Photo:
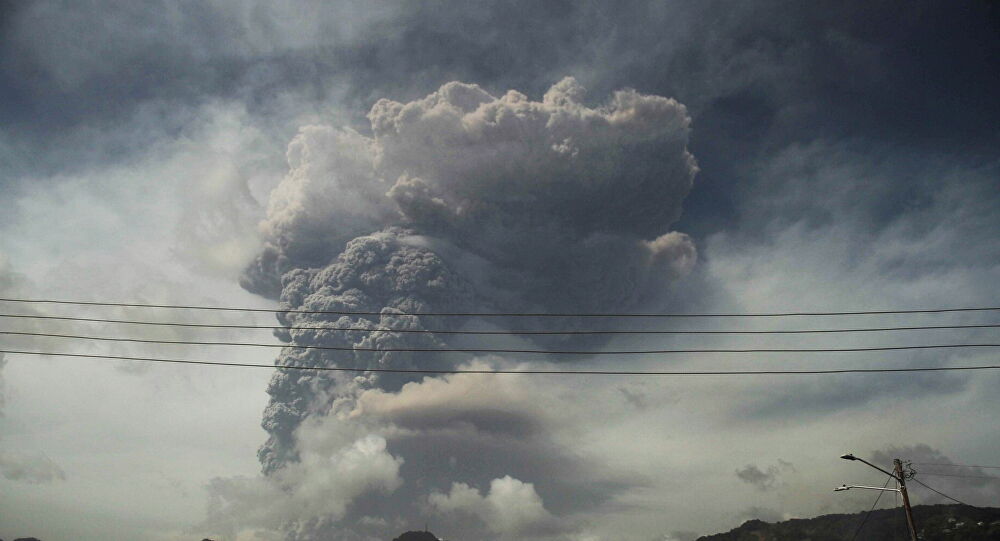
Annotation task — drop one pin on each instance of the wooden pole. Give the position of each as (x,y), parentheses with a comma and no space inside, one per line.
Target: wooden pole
(901,479)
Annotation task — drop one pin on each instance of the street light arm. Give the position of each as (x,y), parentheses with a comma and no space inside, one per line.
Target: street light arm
(848,487)
(852,457)
(890,474)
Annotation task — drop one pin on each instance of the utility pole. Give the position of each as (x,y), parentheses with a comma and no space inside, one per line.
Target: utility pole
(901,479)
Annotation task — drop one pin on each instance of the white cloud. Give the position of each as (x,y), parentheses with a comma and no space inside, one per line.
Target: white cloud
(337,464)
(508,507)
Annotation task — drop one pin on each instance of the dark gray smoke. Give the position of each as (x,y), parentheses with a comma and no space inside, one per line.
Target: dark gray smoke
(461,201)
(381,272)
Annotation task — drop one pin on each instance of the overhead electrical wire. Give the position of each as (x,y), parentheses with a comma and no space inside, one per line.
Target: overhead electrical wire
(511,372)
(961,476)
(954,465)
(511,314)
(498,332)
(504,350)
(941,493)
(868,514)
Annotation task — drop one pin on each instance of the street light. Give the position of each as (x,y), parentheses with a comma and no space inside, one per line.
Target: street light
(849,456)
(900,483)
(849,487)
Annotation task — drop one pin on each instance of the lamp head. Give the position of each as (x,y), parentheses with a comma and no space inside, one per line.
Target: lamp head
(848,456)
(842,487)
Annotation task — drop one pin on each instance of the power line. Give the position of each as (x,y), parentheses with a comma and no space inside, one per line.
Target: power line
(954,465)
(941,493)
(502,350)
(522,372)
(962,476)
(499,332)
(511,314)
(868,514)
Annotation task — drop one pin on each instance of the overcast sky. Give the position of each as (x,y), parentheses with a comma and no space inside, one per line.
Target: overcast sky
(682,156)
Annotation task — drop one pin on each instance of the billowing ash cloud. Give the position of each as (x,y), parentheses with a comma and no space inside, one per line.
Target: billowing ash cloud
(461,201)
(538,189)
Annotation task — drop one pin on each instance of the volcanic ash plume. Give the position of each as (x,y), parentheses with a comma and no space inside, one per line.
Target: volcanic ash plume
(460,202)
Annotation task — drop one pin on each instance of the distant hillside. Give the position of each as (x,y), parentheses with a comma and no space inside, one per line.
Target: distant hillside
(417,536)
(934,523)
